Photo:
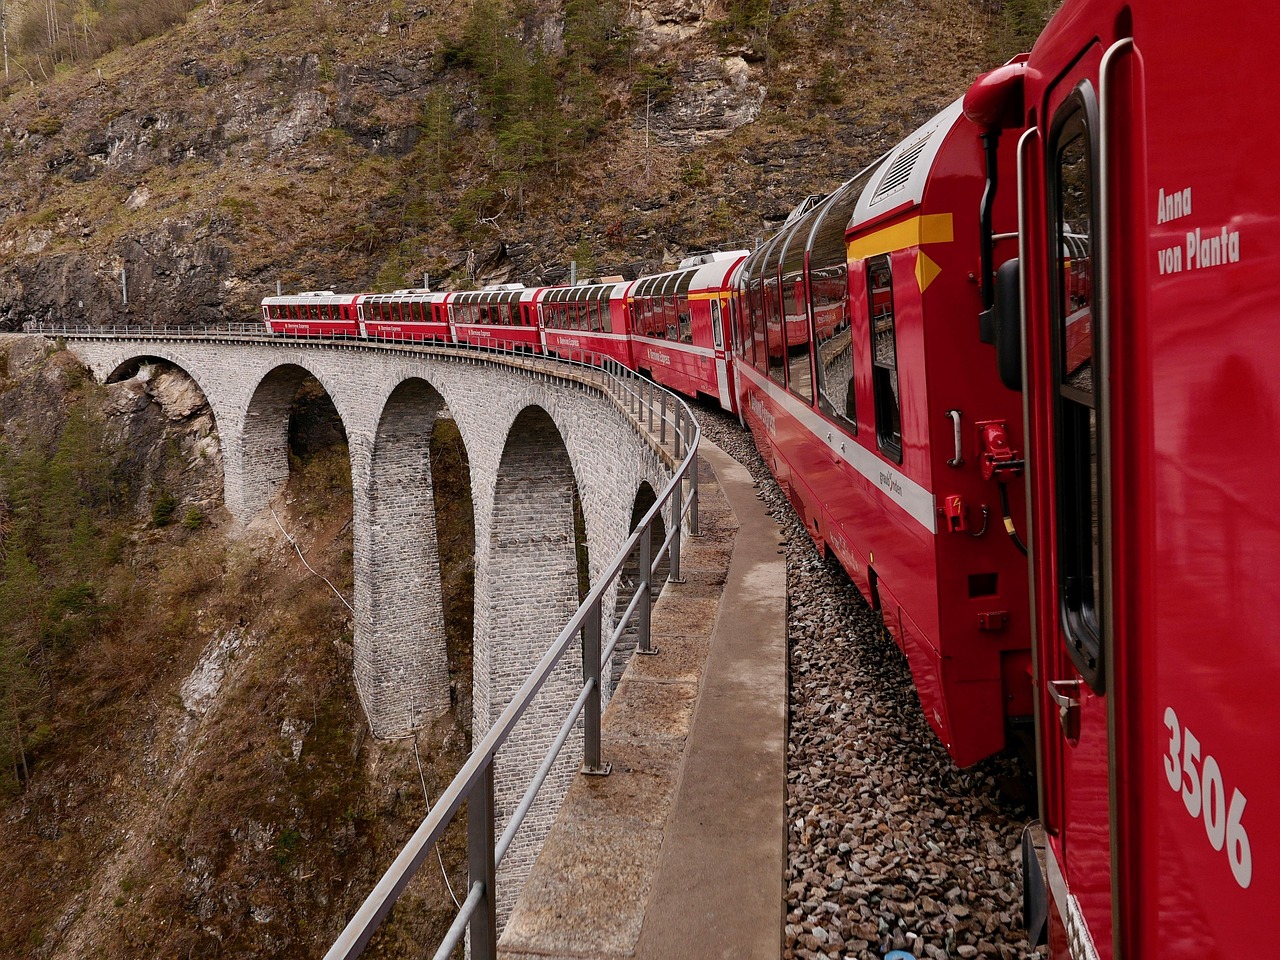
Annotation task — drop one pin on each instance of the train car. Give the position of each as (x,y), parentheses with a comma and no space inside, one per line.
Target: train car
(502,315)
(586,320)
(416,316)
(875,402)
(318,313)
(678,326)
(1150,340)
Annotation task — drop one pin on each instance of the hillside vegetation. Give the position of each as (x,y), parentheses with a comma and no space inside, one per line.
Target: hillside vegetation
(356,144)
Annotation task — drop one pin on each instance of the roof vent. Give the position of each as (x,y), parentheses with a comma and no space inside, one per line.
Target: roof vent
(899,172)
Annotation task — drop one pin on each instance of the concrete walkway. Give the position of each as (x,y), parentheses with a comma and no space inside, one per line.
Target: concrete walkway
(680,851)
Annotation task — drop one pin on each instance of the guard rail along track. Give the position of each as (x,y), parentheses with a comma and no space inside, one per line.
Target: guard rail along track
(654,411)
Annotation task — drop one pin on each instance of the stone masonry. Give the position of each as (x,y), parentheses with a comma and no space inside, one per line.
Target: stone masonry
(533,438)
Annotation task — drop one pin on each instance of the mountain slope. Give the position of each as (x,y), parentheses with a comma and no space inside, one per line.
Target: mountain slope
(355,144)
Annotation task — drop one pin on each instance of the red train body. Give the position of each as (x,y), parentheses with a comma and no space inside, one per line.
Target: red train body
(871,396)
(318,313)
(1150,262)
(678,327)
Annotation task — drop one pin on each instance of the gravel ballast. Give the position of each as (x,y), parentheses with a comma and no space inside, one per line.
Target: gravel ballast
(890,845)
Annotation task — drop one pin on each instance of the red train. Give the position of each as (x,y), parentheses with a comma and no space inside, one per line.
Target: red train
(1141,316)
(879,409)
(857,363)
(670,326)
(1106,394)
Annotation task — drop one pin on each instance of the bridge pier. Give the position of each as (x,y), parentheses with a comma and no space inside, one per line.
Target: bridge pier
(401,659)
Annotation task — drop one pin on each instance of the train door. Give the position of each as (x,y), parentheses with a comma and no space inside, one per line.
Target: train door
(1077,605)
(722,368)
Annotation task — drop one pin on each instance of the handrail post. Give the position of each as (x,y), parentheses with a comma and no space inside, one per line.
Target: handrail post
(693,496)
(677,511)
(644,641)
(591,710)
(652,389)
(662,430)
(480,866)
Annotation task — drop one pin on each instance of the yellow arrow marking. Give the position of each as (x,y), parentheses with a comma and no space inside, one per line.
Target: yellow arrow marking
(926,271)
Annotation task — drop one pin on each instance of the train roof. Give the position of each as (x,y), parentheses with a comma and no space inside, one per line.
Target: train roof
(310,296)
(711,272)
(898,178)
(430,296)
(584,291)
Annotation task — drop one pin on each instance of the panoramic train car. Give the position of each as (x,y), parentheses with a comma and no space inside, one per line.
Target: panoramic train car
(678,326)
(1149,281)
(318,313)
(586,318)
(418,316)
(502,315)
(874,400)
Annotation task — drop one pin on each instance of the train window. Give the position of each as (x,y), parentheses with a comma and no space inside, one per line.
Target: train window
(1078,454)
(884,358)
(795,315)
(774,331)
(830,286)
(759,325)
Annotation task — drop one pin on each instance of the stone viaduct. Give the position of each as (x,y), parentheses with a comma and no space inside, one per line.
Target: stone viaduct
(535,432)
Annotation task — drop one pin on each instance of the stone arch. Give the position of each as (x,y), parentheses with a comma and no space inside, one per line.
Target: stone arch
(401,658)
(263,444)
(530,591)
(130,367)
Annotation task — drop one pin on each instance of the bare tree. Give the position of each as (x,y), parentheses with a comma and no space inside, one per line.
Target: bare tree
(4,35)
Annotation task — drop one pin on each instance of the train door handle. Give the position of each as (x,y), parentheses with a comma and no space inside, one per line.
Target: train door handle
(1066,694)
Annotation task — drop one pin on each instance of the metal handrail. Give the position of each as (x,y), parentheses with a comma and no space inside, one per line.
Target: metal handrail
(473,783)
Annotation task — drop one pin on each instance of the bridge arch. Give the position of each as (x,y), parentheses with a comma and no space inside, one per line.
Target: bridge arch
(262,444)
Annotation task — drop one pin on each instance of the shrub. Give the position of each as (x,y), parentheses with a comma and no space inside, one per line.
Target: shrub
(45,126)
(163,509)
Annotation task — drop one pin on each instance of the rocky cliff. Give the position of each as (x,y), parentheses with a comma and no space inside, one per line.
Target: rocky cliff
(352,144)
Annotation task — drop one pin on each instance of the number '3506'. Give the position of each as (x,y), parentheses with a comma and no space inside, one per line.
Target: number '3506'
(1200,783)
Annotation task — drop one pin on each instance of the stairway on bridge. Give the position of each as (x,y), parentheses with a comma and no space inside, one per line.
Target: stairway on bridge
(680,852)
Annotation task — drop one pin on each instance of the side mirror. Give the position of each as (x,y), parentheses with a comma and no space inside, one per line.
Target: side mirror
(1008,324)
